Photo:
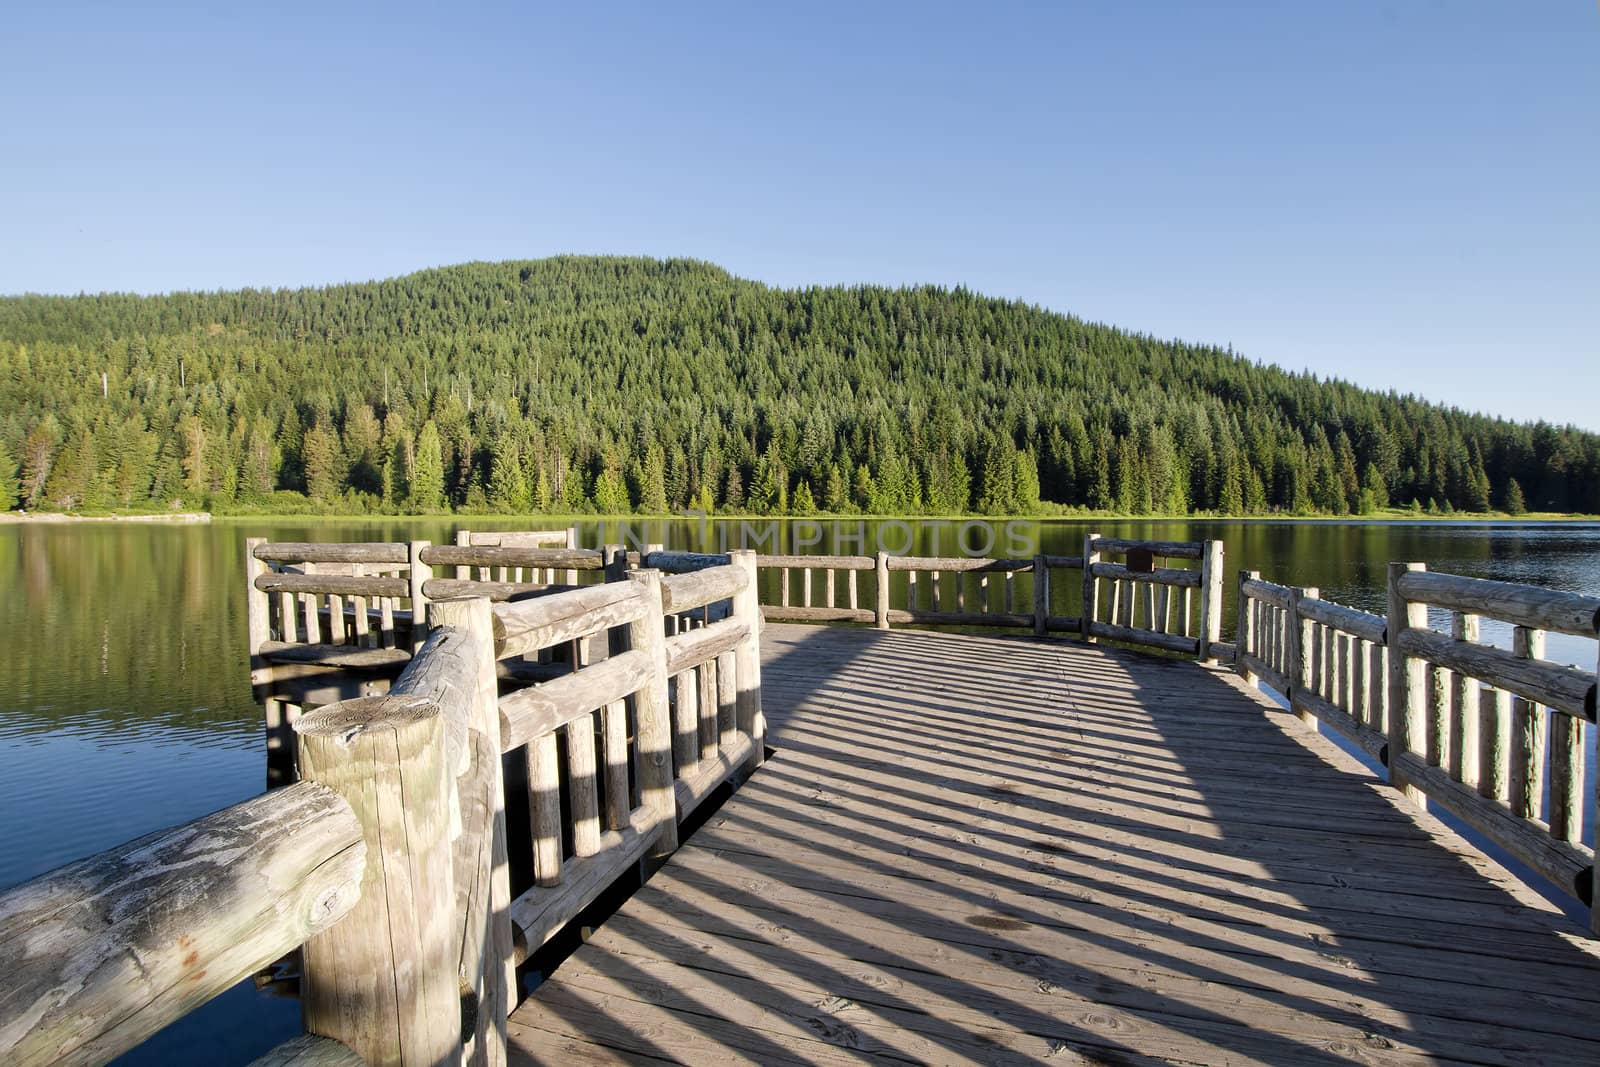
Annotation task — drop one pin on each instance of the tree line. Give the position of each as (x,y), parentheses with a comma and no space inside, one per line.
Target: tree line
(606,384)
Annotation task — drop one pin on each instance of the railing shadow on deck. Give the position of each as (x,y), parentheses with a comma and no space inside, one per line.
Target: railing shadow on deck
(1044,860)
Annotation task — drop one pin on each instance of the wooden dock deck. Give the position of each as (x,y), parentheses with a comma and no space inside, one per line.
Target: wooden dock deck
(991,850)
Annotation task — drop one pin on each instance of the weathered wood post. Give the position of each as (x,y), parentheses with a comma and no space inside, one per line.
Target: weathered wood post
(616,570)
(1464,702)
(481,869)
(1245,635)
(418,572)
(880,610)
(1406,681)
(280,735)
(1091,587)
(1527,733)
(1210,599)
(653,717)
(747,660)
(1302,635)
(1041,596)
(384,980)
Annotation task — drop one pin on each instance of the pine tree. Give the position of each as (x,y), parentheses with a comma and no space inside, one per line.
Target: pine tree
(38,453)
(196,468)
(769,491)
(803,504)
(863,489)
(1026,483)
(835,496)
(73,473)
(1514,503)
(508,482)
(611,492)
(320,453)
(427,476)
(10,486)
(997,489)
(1374,495)
(733,489)
(653,491)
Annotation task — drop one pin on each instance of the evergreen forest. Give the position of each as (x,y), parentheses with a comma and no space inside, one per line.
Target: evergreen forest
(600,384)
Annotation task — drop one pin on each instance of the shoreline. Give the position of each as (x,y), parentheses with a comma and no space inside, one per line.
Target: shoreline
(181,518)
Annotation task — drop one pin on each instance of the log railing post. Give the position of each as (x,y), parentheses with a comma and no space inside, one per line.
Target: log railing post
(1407,697)
(1041,596)
(1464,702)
(1527,733)
(1091,587)
(653,716)
(386,757)
(880,610)
(418,572)
(1210,599)
(752,721)
(480,858)
(1245,632)
(616,570)
(1302,636)
(275,718)
(572,542)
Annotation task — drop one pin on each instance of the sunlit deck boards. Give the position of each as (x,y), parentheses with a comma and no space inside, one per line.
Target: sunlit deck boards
(974,849)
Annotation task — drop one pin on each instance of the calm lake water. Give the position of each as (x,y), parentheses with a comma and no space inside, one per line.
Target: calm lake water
(125,705)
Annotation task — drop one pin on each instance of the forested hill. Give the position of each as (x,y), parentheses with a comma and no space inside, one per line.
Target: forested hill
(576,383)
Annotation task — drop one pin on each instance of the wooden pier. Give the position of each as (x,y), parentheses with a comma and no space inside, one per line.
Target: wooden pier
(991,839)
(976,849)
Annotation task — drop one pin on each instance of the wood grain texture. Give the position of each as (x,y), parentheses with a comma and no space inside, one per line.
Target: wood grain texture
(100,954)
(385,979)
(308,1050)
(1048,853)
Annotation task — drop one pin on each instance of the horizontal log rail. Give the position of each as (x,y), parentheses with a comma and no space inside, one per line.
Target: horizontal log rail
(497,591)
(1117,546)
(331,552)
(542,709)
(680,562)
(957,564)
(693,648)
(528,626)
(688,590)
(1559,688)
(1520,605)
(100,954)
(512,556)
(336,584)
(1183,579)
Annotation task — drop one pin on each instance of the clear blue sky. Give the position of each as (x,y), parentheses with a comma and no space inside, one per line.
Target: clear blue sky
(1403,194)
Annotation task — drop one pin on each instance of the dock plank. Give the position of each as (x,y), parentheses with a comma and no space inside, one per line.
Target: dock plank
(975,849)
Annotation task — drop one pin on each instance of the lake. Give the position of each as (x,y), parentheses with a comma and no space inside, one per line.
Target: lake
(125,701)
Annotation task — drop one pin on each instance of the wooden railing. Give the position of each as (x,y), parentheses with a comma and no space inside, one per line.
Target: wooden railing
(1468,722)
(1175,608)
(1495,737)
(1328,660)
(973,592)
(366,864)
(390,855)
